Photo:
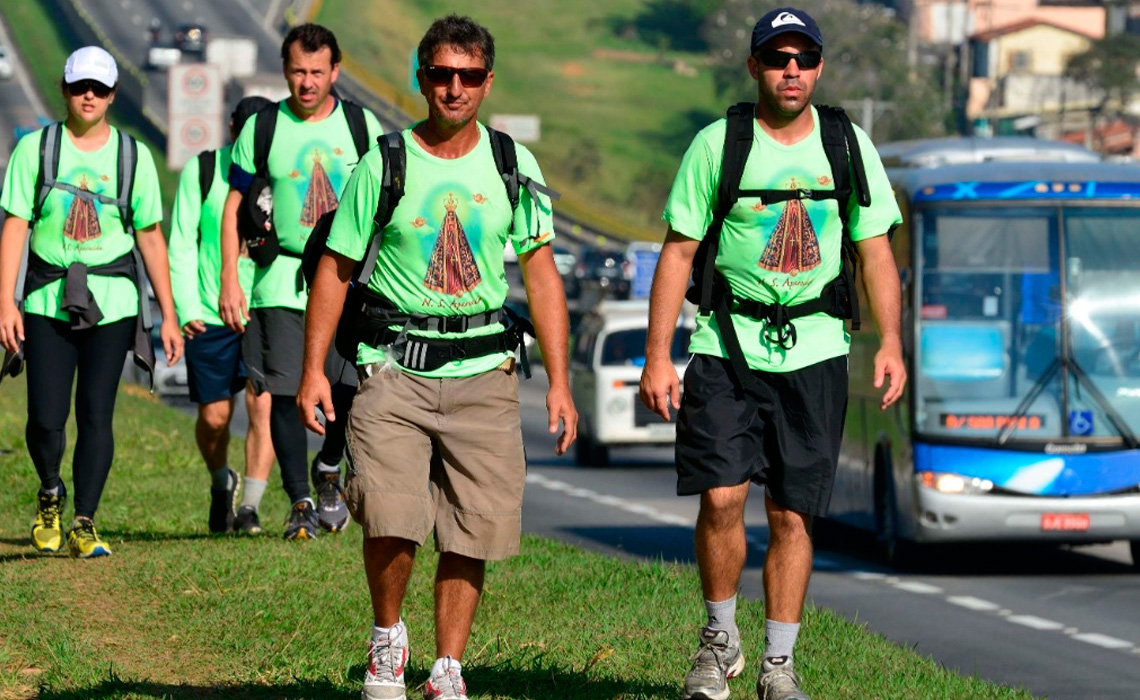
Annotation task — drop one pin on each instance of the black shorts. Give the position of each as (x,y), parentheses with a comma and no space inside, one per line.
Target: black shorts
(273,348)
(214,368)
(783,433)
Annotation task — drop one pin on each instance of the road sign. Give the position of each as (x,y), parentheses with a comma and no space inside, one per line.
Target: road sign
(196,106)
(525,128)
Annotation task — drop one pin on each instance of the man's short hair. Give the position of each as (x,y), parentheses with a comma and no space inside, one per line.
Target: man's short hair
(463,33)
(313,38)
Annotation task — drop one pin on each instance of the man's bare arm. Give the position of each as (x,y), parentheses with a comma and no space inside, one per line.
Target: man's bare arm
(660,385)
(322,314)
(884,295)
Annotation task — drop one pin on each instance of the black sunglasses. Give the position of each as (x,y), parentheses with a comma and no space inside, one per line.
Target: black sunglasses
(779,59)
(80,88)
(443,75)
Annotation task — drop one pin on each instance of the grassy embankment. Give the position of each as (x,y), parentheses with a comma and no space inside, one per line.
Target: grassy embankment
(617,113)
(179,614)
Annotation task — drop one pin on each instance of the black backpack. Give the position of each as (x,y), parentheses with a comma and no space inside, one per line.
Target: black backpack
(392,190)
(711,291)
(255,214)
(207,163)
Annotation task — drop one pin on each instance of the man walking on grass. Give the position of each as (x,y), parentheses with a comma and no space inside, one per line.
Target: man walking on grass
(434,437)
(776,188)
(311,153)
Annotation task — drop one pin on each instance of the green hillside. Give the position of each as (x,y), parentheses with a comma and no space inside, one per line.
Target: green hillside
(618,104)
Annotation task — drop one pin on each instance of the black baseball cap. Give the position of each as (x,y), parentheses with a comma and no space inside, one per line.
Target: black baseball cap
(784,20)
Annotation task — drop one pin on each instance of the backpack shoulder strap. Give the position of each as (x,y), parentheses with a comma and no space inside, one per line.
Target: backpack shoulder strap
(843,155)
(128,158)
(207,162)
(264,126)
(506,162)
(395,167)
(51,141)
(357,126)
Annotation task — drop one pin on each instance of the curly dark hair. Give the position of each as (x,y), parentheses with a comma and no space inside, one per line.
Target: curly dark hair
(313,38)
(463,33)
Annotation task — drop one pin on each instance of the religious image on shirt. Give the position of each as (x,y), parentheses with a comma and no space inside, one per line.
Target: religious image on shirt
(452,269)
(794,246)
(82,222)
(320,198)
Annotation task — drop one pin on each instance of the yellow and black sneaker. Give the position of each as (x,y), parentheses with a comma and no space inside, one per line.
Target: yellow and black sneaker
(302,522)
(47,532)
(84,542)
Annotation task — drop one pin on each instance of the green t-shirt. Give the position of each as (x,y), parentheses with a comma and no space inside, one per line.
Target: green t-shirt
(784,252)
(72,229)
(309,163)
(196,244)
(442,252)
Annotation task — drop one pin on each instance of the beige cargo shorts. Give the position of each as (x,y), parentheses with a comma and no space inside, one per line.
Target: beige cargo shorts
(438,454)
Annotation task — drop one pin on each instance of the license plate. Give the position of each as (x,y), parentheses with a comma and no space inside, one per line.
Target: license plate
(1065,522)
(662,429)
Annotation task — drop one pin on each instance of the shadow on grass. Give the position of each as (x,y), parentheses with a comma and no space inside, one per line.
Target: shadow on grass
(497,680)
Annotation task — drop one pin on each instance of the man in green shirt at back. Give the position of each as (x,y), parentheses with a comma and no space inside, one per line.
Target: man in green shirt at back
(213,352)
(775,415)
(310,158)
(434,437)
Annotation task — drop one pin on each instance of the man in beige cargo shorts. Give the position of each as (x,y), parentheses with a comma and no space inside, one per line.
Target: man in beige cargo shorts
(434,437)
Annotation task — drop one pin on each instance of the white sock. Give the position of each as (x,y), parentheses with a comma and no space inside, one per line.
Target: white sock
(323,466)
(252,491)
(441,666)
(392,632)
(780,638)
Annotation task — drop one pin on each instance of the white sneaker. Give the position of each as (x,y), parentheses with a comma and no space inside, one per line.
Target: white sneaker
(447,684)
(384,678)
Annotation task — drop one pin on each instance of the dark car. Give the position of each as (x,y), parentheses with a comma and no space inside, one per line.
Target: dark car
(190,38)
(609,269)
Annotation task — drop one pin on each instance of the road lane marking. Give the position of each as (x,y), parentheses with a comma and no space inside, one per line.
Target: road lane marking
(1103,640)
(917,587)
(1037,623)
(972,603)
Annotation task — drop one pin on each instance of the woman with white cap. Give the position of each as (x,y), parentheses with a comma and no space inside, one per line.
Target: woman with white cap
(90,196)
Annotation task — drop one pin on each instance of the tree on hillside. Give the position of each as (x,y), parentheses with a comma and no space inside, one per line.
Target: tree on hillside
(864,56)
(1109,66)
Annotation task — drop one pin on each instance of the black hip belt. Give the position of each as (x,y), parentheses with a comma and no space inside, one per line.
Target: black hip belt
(777,317)
(374,316)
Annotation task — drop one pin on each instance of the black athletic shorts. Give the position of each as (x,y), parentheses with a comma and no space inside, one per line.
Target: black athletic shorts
(272,349)
(783,433)
(213,365)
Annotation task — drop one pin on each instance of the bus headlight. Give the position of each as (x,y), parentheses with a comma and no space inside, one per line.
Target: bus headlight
(945,482)
(617,405)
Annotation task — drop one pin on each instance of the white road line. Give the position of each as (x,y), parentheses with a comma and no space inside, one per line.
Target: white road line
(868,576)
(1033,622)
(973,603)
(1103,640)
(22,76)
(918,587)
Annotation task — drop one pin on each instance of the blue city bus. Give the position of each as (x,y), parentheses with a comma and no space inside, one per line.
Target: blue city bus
(1021,325)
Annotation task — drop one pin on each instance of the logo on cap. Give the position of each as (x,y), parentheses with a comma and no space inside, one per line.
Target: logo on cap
(787,18)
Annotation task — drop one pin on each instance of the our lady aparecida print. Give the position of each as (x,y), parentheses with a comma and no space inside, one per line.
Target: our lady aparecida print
(82,223)
(452,269)
(320,198)
(794,246)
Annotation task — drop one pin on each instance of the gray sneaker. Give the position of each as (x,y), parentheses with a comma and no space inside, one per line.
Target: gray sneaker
(717,659)
(384,678)
(332,512)
(778,681)
(447,684)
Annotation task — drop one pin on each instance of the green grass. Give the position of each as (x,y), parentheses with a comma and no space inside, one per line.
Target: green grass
(44,46)
(179,614)
(616,114)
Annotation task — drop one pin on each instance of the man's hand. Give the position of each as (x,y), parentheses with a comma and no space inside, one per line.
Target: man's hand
(11,327)
(889,363)
(660,387)
(315,391)
(172,341)
(560,405)
(193,329)
(232,306)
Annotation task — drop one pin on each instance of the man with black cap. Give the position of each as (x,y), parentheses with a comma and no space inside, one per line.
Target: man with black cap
(215,371)
(762,212)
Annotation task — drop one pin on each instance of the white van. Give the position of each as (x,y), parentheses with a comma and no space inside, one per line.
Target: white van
(605,371)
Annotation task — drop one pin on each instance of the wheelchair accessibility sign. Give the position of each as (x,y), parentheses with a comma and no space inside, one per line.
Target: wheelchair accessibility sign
(1080,423)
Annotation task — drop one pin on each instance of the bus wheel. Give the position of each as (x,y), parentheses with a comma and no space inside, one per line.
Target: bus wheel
(587,452)
(1136,554)
(893,550)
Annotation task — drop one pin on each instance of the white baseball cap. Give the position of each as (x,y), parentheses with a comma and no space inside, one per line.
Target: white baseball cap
(91,63)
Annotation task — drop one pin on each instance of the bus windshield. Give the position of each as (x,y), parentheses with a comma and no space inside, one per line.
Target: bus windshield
(1029,322)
